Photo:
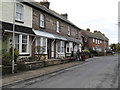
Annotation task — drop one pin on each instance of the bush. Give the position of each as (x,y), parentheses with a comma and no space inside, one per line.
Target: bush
(93,52)
(16,53)
(6,58)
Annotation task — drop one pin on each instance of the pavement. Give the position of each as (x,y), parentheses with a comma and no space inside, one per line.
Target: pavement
(28,75)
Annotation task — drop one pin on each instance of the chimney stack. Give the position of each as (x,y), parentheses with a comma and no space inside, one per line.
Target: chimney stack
(65,15)
(45,3)
(95,31)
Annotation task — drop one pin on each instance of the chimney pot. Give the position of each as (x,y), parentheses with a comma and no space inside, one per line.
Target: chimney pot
(65,15)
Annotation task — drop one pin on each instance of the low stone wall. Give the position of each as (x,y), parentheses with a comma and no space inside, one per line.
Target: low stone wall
(30,65)
(24,66)
(8,69)
(52,62)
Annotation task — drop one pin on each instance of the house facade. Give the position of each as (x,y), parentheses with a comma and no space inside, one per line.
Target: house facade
(95,40)
(38,26)
(55,32)
(18,17)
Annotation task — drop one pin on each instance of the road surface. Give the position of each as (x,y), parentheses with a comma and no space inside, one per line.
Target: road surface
(99,73)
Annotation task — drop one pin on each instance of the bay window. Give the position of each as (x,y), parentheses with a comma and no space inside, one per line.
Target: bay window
(22,43)
(69,47)
(60,46)
(41,43)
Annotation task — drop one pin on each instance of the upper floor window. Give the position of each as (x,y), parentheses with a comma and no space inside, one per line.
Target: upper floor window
(42,20)
(68,30)
(19,12)
(58,26)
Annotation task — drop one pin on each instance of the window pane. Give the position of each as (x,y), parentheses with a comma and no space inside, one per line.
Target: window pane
(44,44)
(17,41)
(24,43)
(17,46)
(24,48)
(41,20)
(19,11)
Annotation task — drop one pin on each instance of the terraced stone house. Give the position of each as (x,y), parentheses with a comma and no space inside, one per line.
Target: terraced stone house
(37,25)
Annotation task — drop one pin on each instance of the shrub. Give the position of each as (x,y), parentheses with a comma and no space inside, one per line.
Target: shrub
(6,58)
(93,52)
(16,53)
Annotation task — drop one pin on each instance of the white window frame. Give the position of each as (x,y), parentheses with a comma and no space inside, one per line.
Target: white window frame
(69,30)
(96,41)
(20,44)
(18,12)
(42,20)
(41,44)
(61,46)
(58,26)
(70,46)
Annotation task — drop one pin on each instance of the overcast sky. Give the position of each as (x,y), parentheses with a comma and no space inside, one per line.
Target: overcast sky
(101,15)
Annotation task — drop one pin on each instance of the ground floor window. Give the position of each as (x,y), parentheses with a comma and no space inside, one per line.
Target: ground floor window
(41,45)
(60,46)
(69,47)
(22,43)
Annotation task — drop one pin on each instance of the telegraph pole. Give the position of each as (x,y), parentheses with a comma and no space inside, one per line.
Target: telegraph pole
(13,61)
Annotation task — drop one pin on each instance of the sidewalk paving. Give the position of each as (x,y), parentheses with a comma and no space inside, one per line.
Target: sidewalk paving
(27,75)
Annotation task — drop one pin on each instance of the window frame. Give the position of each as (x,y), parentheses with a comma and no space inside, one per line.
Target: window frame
(61,47)
(42,21)
(69,46)
(20,13)
(41,44)
(69,31)
(58,26)
(20,43)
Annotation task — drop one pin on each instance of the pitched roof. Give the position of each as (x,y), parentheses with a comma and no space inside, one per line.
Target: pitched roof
(48,11)
(97,35)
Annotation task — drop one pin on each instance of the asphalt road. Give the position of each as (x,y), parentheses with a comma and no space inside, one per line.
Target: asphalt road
(99,73)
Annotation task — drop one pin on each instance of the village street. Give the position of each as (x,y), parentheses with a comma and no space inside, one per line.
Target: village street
(99,73)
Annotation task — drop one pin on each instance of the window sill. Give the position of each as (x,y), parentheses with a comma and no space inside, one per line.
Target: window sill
(60,53)
(24,54)
(40,54)
(43,27)
(20,21)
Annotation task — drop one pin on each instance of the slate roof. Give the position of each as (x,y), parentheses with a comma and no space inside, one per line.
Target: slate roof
(48,11)
(97,35)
